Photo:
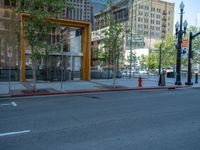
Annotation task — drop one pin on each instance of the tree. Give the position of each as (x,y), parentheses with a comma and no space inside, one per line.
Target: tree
(112,37)
(152,60)
(132,59)
(37,28)
(168,52)
(142,61)
(112,42)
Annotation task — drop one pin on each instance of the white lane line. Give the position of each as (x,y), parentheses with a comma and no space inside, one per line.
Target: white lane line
(13,133)
(7,104)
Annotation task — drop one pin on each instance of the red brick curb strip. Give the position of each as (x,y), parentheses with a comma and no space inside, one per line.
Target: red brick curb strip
(97,91)
(126,89)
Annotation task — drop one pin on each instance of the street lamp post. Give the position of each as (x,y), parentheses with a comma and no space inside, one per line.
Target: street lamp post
(179,34)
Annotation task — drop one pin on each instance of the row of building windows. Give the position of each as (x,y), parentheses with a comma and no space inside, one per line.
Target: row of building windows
(153,9)
(147,27)
(153,21)
(146,14)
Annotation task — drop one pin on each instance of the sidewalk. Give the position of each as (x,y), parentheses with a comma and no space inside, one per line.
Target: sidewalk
(74,87)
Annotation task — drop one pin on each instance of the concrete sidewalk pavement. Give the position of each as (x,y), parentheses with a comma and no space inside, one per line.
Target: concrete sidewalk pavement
(72,87)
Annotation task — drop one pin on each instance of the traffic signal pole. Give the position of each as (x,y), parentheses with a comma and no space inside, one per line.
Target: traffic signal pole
(191,37)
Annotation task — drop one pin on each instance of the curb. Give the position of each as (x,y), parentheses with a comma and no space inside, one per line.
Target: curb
(95,91)
(4,95)
(36,94)
(127,89)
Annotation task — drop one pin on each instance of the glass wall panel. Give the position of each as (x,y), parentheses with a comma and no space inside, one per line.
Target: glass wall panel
(64,58)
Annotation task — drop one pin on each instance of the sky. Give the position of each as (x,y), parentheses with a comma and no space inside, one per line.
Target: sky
(191,11)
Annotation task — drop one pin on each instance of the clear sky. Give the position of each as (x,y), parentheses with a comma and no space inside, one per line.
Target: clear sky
(191,9)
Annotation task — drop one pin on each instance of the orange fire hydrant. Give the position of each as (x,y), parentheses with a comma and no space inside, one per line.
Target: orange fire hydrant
(140,82)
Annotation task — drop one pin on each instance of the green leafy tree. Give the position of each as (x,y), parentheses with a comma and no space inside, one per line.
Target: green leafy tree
(132,59)
(168,54)
(152,60)
(142,61)
(101,56)
(113,44)
(37,28)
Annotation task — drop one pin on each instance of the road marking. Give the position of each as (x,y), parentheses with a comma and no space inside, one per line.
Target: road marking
(13,104)
(13,133)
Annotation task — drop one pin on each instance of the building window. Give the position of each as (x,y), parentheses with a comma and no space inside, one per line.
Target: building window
(146,14)
(157,28)
(146,20)
(157,22)
(152,15)
(145,26)
(158,10)
(158,16)
(152,27)
(140,19)
(140,13)
(141,6)
(152,9)
(145,32)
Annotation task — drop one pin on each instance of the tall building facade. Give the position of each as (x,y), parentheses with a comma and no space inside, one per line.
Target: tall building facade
(78,10)
(119,11)
(151,18)
(8,36)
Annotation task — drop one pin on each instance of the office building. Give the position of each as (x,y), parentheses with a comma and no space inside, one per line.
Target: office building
(151,18)
(78,10)
(119,11)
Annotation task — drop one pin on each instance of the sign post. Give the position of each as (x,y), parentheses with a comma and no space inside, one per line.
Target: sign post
(9,54)
(61,76)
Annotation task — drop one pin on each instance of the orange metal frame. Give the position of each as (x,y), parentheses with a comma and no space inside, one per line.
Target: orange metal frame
(86,44)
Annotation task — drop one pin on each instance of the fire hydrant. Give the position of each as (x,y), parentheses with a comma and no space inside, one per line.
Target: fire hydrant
(140,82)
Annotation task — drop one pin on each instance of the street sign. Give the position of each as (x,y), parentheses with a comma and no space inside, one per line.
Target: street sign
(184,53)
(9,52)
(184,43)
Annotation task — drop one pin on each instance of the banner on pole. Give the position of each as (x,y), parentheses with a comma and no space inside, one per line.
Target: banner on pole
(184,43)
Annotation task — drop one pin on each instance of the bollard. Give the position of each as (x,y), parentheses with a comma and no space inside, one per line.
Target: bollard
(196,78)
(140,82)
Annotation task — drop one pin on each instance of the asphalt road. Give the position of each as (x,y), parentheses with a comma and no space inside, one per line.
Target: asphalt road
(140,120)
